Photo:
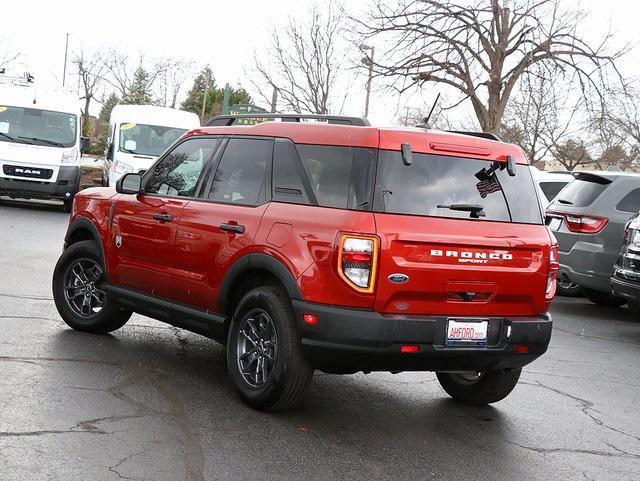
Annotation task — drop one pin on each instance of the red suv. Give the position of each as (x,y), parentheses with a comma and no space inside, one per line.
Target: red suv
(328,245)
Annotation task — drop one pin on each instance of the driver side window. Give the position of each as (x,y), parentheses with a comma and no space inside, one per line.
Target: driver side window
(178,172)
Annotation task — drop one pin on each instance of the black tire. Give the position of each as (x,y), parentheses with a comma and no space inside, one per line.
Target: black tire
(110,316)
(603,299)
(568,289)
(634,307)
(290,373)
(489,387)
(67,205)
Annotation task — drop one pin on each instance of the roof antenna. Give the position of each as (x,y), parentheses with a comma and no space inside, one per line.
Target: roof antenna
(425,121)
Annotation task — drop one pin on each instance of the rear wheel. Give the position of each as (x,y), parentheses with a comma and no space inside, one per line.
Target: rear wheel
(264,355)
(481,388)
(79,294)
(603,299)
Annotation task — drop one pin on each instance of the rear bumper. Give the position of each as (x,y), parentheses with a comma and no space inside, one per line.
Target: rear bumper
(349,340)
(597,282)
(65,186)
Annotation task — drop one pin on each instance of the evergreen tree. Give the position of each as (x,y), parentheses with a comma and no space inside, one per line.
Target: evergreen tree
(103,123)
(139,92)
(215,95)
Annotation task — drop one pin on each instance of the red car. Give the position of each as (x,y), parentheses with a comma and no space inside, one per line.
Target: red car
(328,245)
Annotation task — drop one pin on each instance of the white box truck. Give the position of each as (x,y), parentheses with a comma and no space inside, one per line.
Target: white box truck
(139,134)
(40,141)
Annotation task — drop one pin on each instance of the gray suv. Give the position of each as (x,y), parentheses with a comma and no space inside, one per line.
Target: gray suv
(588,218)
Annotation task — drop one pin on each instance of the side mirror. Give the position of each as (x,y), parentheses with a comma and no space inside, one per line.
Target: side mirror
(85,144)
(108,153)
(130,145)
(129,184)
(511,166)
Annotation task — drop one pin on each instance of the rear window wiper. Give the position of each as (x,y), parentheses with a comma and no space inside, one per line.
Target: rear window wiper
(566,202)
(46,141)
(475,210)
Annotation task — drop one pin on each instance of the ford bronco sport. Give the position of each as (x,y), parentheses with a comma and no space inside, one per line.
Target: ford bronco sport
(329,245)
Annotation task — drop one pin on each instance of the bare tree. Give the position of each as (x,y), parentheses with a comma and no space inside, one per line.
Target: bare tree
(170,80)
(91,70)
(571,153)
(7,54)
(121,71)
(482,50)
(304,63)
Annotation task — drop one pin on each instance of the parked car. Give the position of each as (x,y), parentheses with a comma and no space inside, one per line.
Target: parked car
(588,219)
(549,184)
(328,245)
(138,134)
(40,142)
(625,281)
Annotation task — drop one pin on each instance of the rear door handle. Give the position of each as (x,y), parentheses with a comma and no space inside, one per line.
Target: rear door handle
(232,228)
(163,217)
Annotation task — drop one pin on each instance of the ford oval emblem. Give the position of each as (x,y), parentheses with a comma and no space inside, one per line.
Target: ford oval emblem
(398,278)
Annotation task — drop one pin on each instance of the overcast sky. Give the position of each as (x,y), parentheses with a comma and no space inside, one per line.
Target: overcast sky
(221,33)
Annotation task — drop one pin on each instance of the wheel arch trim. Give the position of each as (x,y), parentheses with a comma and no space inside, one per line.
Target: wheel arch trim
(257,261)
(85,223)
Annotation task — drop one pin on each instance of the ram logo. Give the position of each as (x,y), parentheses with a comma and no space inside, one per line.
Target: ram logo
(472,257)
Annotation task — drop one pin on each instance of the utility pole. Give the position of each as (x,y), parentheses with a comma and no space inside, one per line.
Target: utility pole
(274,100)
(66,50)
(368,61)
(226,96)
(204,97)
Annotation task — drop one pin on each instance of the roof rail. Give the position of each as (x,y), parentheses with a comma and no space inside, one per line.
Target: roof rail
(227,120)
(482,135)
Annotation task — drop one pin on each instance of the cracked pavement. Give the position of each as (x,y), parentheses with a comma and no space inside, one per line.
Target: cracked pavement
(151,402)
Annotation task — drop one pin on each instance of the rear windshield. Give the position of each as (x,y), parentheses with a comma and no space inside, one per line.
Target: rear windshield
(582,191)
(551,189)
(435,185)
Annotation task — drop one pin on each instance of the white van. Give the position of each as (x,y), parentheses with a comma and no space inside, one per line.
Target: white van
(40,143)
(139,134)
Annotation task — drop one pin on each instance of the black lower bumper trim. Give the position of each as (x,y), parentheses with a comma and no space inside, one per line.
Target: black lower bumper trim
(67,182)
(627,289)
(349,340)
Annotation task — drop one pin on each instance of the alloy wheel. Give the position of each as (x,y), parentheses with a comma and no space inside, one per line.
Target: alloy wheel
(83,288)
(257,348)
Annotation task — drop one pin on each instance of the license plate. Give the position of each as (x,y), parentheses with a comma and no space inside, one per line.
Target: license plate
(555,223)
(467,332)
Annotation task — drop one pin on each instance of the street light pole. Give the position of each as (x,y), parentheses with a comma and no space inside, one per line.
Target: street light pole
(368,60)
(64,70)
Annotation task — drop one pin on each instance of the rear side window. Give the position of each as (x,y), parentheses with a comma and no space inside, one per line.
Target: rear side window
(630,202)
(288,184)
(551,189)
(339,176)
(436,185)
(582,191)
(240,177)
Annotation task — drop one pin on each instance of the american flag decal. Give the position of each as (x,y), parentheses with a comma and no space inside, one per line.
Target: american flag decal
(488,186)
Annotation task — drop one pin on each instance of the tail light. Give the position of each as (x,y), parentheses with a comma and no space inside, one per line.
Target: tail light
(554,265)
(358,261)
(585,224)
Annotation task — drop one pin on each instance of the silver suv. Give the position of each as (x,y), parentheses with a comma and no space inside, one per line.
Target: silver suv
(588,218)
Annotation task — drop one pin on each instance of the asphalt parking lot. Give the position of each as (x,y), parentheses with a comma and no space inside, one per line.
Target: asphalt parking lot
(152,402)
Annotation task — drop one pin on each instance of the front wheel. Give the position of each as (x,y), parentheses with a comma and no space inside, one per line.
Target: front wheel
(602,299)
(79,291)
(480,388)
(264,355)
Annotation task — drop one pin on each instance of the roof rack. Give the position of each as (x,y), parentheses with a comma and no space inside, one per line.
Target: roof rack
(227,120)
(482,135)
